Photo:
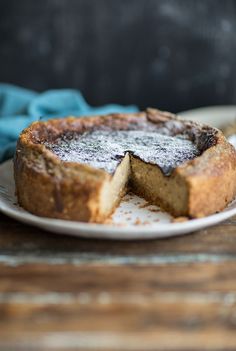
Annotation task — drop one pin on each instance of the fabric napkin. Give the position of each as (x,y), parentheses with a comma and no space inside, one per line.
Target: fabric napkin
(20,107)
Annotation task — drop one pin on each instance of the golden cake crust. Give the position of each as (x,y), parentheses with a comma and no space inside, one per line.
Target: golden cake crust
(48,187)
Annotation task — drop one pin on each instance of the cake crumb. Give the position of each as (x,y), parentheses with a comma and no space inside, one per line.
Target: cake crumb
(126,199)
(154,210)
(108,221)
(145,204)
(120,224)
(180,219)
(137,222)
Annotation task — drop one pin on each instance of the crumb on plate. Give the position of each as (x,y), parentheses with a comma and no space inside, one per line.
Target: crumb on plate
(180,219)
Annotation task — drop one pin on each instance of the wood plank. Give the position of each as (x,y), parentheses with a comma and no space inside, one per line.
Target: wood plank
(94,278)
(18,238)
(159,340)
(66,293)
(154,324)
(120,313)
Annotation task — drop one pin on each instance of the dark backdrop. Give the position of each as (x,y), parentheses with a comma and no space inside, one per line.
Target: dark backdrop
(172,54)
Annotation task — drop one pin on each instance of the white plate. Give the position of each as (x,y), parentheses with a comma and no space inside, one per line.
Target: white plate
(216,116)
(152,222)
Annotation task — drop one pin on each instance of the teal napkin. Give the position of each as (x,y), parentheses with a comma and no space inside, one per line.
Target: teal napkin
(20,107)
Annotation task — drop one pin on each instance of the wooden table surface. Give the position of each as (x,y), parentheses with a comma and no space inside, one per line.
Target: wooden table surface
(65,293)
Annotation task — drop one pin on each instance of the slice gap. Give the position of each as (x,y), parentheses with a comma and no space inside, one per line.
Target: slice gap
(138,215)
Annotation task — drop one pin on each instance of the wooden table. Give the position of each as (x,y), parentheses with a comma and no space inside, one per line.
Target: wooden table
(65,293)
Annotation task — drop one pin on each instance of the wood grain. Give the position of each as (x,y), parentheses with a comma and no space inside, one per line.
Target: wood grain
(95,278)
(66,293)
(16,237)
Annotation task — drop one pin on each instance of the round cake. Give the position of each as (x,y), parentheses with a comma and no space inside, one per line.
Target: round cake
(79,168)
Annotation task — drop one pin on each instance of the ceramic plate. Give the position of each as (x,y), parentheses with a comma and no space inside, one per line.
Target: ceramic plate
(216,116)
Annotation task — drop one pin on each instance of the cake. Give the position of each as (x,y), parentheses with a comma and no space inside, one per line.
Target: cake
(79,168)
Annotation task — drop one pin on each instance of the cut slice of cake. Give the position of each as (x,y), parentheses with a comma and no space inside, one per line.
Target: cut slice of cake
(79,168)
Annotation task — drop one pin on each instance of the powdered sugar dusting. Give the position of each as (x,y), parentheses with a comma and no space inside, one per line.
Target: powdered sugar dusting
(104,149)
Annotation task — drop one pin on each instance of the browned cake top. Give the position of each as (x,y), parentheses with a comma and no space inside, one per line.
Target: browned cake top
(154,137)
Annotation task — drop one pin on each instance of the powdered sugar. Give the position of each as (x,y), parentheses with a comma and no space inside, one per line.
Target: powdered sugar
(104,149)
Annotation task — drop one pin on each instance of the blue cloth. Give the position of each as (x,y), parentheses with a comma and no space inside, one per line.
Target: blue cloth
(20,107)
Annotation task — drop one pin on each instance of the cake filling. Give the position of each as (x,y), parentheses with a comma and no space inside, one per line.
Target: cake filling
(105,149)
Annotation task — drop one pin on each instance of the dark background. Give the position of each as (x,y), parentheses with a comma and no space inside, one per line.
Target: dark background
(173,55)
